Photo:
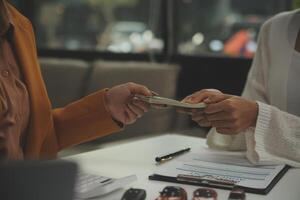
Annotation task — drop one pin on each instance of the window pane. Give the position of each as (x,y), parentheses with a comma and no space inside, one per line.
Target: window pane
(222,27)
(104,25)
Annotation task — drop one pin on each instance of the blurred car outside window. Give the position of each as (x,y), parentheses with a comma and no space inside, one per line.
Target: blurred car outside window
(122,26)
(222,27)
(203,27)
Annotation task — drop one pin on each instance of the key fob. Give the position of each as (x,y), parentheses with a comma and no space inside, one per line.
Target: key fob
(237,194)
(172,192)
(134,194)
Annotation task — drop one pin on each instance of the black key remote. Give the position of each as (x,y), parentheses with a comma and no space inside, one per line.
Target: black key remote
(134,194)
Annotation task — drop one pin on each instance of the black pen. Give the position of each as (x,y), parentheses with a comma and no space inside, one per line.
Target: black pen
(171,155)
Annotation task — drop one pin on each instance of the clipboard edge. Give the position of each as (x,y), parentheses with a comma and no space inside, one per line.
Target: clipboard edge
(264,191)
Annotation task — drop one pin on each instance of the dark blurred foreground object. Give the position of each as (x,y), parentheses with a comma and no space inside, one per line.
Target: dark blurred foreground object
(37,180)
(172,193)
(134,194)
(237,194)
(205,194)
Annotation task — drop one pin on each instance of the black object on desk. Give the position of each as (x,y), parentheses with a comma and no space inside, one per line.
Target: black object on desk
(134,194)
(38,180)
(205,193)
(237,194)
(172,192)
(171,155)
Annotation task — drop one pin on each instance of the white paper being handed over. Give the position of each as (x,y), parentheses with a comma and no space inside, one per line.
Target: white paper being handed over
(157,100)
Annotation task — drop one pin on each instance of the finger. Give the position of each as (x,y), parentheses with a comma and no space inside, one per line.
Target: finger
(221,124)
(203,94)
(198,117)
(184,111)
(141,104)
(197,111)
(130,116)
(204,123)
(217,98)
(225,131)
(195,98)
(187,98)
(215,108)
(139,89)
(136,110)
(218,116)
(154,93)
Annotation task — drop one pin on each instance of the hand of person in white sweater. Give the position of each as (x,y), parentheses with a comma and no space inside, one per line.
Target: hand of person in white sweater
(197,97)
(230,114)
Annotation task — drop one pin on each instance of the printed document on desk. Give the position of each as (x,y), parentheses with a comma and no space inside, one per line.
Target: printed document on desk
(213,164)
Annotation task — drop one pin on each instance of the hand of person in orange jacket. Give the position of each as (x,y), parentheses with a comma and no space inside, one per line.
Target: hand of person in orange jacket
(122,104)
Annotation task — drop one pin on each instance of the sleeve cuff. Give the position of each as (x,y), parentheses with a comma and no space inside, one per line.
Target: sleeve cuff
(261,129)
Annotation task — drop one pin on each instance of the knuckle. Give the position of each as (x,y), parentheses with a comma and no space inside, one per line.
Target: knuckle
(213,97)
(130,84)
(203,90)
(234,116)
(189,96)
(229,105)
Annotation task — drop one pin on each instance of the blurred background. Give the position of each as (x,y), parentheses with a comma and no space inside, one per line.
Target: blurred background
(200,27)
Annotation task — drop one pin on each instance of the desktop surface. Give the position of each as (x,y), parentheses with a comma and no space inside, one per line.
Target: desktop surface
(138,157)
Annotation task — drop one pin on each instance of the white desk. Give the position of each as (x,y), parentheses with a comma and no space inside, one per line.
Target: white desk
(137,157)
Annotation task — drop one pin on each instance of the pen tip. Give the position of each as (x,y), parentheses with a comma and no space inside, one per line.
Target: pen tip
(157,159)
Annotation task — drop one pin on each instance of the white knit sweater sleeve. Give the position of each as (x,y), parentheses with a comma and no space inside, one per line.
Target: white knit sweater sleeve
(276,136)
(277,133)
(254,89)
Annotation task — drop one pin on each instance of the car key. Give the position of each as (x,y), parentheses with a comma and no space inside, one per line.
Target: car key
(172,193)
(134,194)
(237,194)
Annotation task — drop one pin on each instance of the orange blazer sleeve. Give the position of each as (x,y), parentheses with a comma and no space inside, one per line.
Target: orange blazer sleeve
(83,120)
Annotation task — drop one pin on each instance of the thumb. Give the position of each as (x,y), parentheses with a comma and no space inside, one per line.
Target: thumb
(196,98)
(187,99)
(139,89)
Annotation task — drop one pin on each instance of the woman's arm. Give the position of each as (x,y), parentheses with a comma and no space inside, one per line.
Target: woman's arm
(276,134)
(255,89)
